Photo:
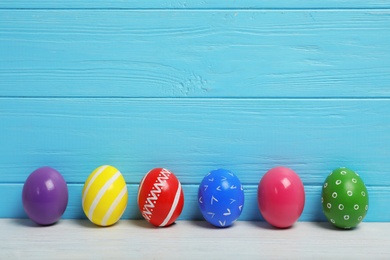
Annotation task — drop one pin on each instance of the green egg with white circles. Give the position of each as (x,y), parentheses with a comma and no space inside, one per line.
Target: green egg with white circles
(344,198)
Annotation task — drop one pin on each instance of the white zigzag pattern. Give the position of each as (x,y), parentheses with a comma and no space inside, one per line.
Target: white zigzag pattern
(149,204)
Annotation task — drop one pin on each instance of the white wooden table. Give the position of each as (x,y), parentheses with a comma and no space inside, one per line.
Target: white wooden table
(135,239)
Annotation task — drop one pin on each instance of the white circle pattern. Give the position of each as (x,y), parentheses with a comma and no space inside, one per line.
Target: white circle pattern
(334,194)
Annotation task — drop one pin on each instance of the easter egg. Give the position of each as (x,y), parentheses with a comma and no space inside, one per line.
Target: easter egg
(221,198)
(344,198)
(281,197)
(160,197)
(45,196)
(104,196)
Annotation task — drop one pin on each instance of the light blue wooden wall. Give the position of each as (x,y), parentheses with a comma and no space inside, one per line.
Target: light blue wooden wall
(194,86)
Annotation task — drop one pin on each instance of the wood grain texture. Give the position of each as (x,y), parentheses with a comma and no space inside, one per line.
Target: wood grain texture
(195,86)
(201,4)
(193,136)
(78,239)
(168,53)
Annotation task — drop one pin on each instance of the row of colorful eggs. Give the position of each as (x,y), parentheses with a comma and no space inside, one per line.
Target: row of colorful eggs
(281,197)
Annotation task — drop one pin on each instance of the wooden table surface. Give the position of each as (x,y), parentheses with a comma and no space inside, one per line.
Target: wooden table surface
(136,239)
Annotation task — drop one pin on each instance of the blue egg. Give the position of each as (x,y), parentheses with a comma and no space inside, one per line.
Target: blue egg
(221,198)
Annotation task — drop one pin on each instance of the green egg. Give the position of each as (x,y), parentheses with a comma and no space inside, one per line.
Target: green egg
(344,198)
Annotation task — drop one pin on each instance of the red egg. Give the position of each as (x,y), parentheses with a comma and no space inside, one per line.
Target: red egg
(160,197)
(281,197)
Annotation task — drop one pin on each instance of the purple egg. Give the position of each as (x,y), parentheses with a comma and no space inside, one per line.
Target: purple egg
(45,196)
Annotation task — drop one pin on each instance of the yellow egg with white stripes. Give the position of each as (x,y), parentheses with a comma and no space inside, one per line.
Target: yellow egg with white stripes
(104,196)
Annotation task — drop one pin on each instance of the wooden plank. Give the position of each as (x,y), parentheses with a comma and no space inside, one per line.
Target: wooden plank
(72,239)
(225,53)
(193,136)
(11,203)
(247,4)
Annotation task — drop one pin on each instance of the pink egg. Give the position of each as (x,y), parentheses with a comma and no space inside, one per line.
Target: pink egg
(281,197)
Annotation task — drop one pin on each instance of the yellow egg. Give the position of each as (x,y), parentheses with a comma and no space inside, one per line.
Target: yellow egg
(104,196)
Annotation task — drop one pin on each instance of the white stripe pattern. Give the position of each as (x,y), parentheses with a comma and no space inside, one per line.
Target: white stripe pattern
(97,173)
(174,206)
(114,205)
(101,193)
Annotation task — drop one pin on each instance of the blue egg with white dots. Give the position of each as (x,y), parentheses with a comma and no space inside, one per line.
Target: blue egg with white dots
(221,198)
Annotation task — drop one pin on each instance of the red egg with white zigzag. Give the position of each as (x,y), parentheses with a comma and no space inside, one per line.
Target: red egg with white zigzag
(160,197)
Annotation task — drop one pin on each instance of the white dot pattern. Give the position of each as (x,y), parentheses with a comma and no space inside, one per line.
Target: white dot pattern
(336,198)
